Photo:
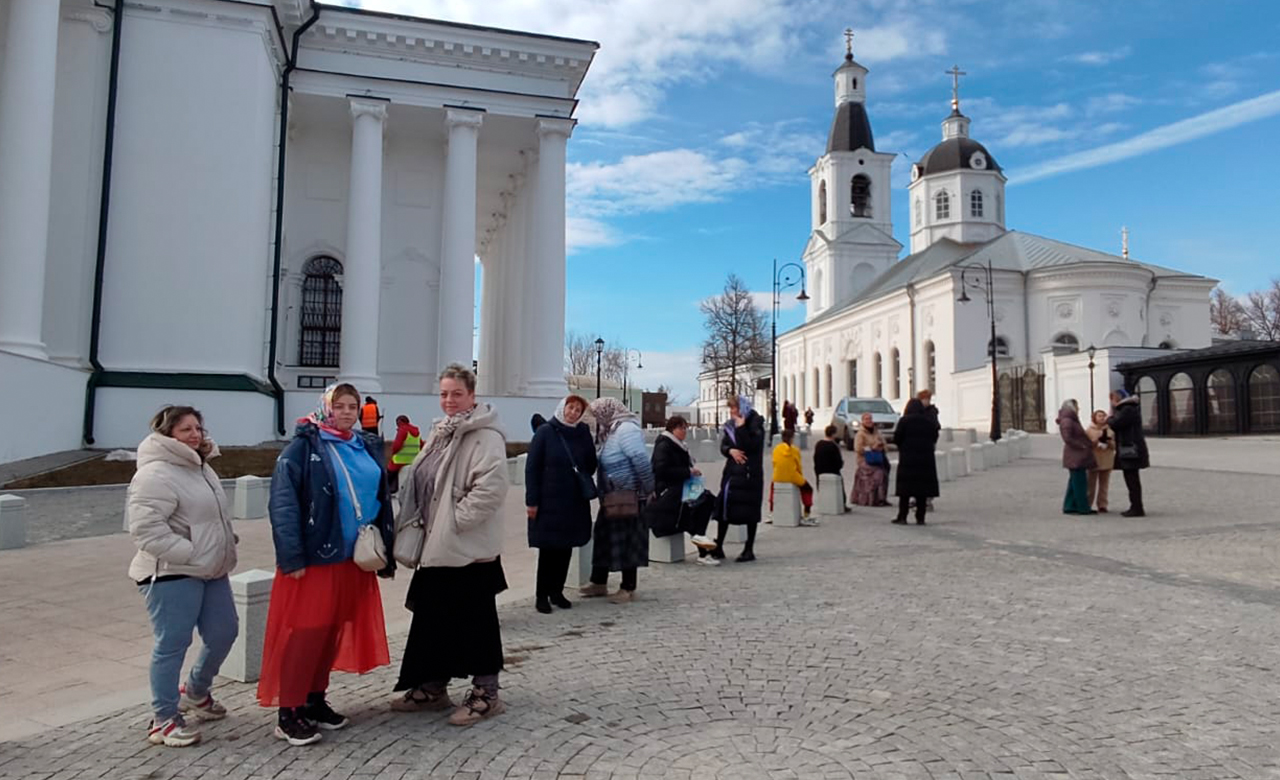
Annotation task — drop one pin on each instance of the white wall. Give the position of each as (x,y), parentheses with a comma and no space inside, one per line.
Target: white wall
(123,415)
(45,407)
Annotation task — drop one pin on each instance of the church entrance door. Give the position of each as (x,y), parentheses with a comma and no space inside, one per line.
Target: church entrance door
(1022,398)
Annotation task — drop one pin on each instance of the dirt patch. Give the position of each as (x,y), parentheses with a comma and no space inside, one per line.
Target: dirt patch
(233,462)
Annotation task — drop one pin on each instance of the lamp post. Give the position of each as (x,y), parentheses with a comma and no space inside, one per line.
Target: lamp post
(781,281)
(626,362)
(599,358)
(1092,351)
(984,282)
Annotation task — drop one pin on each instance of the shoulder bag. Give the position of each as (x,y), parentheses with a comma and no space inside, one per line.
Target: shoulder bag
(620,503)
(371,552)
(875,458)
(586,485)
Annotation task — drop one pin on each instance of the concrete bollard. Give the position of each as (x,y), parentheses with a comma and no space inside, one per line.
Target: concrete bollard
(580,566)
(957,463)
(945,436)
(668,549)
(960,437)
(943,466)
(803,441)
(989,455)
(976,462)
(13,522)
(786,505)
(250,502)
(829,499)
(518,477)
(737,534)
(511,471)
(251,593)
(1002,452)
(1024,445)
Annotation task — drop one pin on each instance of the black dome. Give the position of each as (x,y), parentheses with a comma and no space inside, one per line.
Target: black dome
(954,154)
(851,129)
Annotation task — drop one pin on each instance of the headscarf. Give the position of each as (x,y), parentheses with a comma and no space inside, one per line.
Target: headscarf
(609,413)
(322,416)
(1121,393)
(744,409)
(559,415)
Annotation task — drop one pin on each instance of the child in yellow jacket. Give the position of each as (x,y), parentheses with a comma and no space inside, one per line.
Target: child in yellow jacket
(787,469)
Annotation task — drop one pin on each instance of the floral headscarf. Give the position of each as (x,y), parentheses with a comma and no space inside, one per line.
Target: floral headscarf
(559,415)
(609,413)
(322,416)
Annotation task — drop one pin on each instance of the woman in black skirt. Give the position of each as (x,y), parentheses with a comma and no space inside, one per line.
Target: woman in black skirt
(452,495)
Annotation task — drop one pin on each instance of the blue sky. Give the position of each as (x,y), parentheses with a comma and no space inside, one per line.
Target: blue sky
(699,122)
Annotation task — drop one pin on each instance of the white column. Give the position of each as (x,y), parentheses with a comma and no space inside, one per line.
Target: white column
(458,244)
(546,320)
(513,276)
(487,379)
(27,77)
(362,273)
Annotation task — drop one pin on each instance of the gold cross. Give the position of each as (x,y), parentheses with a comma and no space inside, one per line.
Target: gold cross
(848,42)
(955,73)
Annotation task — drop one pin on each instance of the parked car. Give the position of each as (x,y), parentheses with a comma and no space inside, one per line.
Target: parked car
(848,416)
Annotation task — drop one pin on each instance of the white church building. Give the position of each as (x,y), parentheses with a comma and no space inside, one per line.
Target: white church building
(232,203)
(877,325)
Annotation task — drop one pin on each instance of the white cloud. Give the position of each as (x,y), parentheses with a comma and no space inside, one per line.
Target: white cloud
(1173,134)
(1100,57)
(587,233)
(1110,103)
(786,300)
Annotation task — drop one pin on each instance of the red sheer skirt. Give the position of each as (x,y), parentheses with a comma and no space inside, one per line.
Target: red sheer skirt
(329,620)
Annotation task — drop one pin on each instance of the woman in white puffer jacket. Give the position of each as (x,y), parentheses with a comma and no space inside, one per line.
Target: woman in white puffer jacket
(178,516)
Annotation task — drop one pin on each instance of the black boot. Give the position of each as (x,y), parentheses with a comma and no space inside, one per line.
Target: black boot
(543,605)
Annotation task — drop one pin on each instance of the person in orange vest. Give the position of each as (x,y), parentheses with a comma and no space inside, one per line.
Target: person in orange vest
(404,449)
(371,416)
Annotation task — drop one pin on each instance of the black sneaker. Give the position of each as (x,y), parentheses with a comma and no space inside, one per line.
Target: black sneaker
(542,605)
(295,729)
(321,714)
(746,557)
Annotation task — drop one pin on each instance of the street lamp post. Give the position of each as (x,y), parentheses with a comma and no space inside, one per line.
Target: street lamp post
(599,358)
(1092,351)
(779,284)
(983,281)
(626,362)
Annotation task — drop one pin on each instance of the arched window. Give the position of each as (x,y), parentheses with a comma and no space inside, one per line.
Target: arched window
(822,202)
(1182,404)
(1264,399)
(931,363)
(1002,347)
(860,196)
(800,391)
(919,213)
(999,208)
(942,205)
(895,373)
(879,376)
(826,388)
(1222,402)
(321,319)
(853,377)
(1066,342)
(817,388)
(975,204)
(1149,400)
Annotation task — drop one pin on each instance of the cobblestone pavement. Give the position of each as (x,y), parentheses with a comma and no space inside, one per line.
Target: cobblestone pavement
(1002,640)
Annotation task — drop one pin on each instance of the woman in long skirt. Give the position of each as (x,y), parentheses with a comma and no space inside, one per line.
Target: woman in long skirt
(871,480)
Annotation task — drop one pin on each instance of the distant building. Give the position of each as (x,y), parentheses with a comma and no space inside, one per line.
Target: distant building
(716,386)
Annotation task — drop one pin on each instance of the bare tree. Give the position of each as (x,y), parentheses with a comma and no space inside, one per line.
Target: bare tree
(1226,315)
(580,356)
(736,335)
(1262,312)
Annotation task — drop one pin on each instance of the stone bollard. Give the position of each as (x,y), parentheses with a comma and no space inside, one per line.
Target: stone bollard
(957,463)
(976,462)
(973,436)
(989,455)
(250,502)
(786,505)
(518,477)
(580,566)
(668,549)
(829,499)
(1002,452)
(251,593)
(13,522)
(1024,445)
(511,471)
(736,534)
(945,436)
(960,437)
(803,442)
(942,465)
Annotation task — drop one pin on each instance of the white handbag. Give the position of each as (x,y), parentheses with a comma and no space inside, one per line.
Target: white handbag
(371,551)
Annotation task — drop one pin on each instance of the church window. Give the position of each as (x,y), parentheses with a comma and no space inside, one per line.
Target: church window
(879,376)
(853,377)
(1066,342)
(1002,346)
(919,212)
(817,388)
(321,313)
(942,205)
(975,204)
(999,208)
(822,203)
(826,388)
(854,82)
(931,361)
(895,373)
(860,196)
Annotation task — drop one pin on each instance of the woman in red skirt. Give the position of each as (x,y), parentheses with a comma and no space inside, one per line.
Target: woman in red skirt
(326,612)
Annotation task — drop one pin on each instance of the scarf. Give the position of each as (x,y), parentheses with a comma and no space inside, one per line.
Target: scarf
(676,439)
(609,413)
(442,430)
(322,416)
(559,415)
(744,409)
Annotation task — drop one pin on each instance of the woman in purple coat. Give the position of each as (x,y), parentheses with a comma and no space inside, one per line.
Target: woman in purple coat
(1077,458)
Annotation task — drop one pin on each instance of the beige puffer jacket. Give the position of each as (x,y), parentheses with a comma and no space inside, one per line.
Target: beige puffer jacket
(471,485)
(177,514)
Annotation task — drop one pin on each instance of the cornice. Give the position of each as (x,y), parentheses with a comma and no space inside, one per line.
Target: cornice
(98,19)
(228,17)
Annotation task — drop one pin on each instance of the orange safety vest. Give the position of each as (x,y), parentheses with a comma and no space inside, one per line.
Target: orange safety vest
(369,417)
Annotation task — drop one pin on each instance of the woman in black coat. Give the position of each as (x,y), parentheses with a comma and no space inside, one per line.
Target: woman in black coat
(672,467)
(916,437)
(1131,447)
(559,511)
(742,485)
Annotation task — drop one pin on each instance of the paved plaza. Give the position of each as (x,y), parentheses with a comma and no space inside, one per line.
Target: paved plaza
(1001,640)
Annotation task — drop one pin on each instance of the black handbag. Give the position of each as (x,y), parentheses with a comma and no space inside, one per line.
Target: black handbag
(586,485)
(1127,452)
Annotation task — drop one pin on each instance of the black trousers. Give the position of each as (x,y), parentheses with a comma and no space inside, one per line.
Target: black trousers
(904,504)
(1133,482)
(722,530)
(553,569)
(600,576)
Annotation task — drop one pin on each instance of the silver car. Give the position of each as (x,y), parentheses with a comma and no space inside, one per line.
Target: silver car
(848,416)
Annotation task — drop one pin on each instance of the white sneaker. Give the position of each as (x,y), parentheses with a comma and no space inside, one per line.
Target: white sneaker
(707,560)
(768,519)
(809,521)
(702,542)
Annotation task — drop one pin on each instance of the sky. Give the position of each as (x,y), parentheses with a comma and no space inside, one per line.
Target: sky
(699,121)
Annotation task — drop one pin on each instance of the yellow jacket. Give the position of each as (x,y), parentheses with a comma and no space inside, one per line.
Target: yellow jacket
(786,464)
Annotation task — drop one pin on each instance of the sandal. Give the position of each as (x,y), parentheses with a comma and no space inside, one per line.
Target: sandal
(421,700)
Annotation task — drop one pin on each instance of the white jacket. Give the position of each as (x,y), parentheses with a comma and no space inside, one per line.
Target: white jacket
(470,488)
(177,514)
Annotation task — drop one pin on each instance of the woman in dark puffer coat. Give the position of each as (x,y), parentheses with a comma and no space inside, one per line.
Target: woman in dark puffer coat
(916,437)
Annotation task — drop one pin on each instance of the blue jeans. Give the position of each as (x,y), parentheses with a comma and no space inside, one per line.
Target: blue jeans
(176,608)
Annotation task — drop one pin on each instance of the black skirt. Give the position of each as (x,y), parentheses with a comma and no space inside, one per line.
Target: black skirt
(455,631)
(619,543)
